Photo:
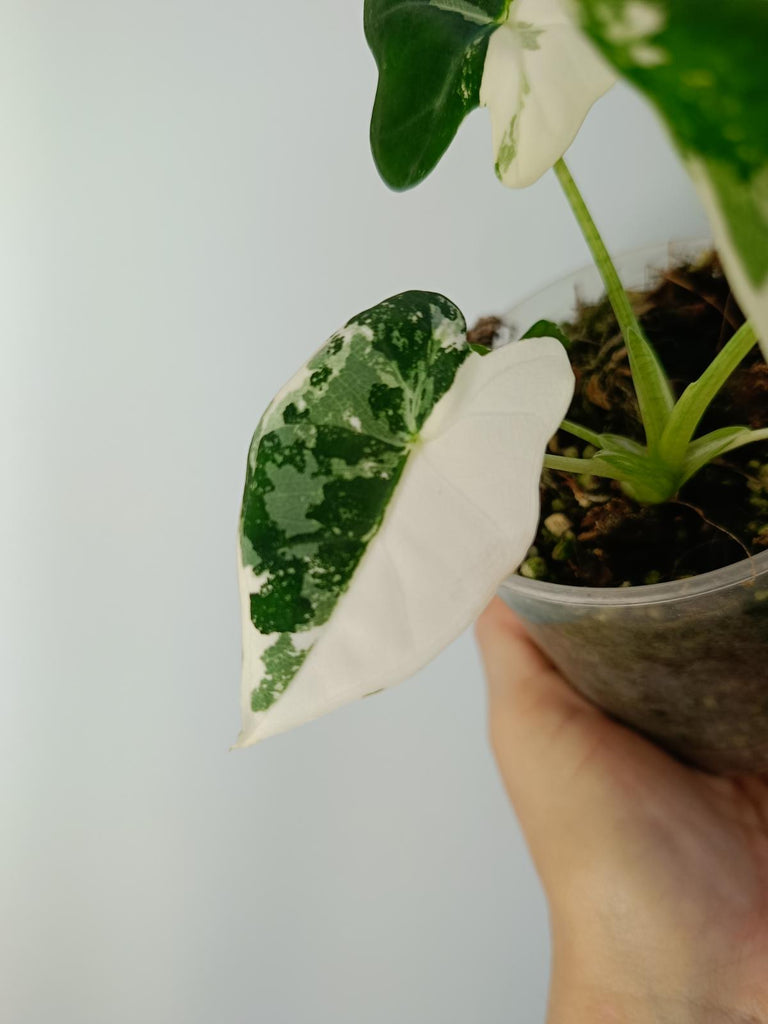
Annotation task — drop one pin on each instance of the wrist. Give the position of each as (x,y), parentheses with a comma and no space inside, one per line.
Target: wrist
(627,978)
(615,1006)
(591,985)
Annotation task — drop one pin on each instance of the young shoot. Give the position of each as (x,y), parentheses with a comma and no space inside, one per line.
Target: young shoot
(655,471)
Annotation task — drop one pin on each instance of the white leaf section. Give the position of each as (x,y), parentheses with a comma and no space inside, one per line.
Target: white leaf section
(752,298)
(461,519)
(541,76)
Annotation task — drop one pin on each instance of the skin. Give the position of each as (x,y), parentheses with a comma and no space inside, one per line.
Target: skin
(656,874)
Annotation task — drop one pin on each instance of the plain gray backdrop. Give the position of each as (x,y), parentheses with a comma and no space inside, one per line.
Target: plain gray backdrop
(189,208)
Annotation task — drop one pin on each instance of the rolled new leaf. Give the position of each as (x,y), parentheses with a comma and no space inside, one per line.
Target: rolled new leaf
(703,66)
(391,485)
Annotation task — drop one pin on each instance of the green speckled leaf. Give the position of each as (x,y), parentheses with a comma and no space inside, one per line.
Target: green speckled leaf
(430,56)
(325,461)
(376,516)
(703,66)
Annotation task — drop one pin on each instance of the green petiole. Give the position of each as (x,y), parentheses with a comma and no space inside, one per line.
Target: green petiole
(654,393)
(593,467)
(695,400)
(583,433)
(654,472)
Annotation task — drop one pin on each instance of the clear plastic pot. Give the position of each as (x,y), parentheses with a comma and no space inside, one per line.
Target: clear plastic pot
(685,663)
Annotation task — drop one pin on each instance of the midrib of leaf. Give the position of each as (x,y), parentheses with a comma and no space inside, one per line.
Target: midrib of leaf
(467,10)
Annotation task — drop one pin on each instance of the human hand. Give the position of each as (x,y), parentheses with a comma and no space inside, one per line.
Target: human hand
(656,874)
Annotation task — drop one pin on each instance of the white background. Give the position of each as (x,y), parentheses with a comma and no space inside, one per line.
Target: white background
(189,208)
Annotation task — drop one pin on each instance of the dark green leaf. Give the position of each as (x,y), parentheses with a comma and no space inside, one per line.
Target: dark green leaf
(430,55)
(481,350)
(548,329)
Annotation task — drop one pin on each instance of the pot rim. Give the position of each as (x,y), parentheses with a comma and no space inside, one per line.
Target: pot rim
(672,249)
(743,572)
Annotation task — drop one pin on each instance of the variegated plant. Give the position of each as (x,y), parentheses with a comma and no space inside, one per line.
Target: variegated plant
(525,60)
(393,483)
(538,65)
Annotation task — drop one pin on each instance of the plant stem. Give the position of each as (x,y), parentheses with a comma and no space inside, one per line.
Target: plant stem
(594,467)
(695,400)
(653,390)
(583,433)
(747,438)
(613,286)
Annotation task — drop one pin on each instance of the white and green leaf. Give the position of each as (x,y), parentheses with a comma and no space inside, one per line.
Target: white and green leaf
(703,66)
(391,485)
(541,76)
(526,60)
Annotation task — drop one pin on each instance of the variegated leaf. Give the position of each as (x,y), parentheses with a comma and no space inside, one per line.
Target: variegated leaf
(541,76)
(439,59)
(391,485)
(738,214)
(703,66)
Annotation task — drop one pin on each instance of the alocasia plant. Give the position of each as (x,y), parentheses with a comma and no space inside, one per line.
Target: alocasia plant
(535,65)
(393,483)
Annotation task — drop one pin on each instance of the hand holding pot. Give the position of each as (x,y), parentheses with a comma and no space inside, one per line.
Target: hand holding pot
(656,874)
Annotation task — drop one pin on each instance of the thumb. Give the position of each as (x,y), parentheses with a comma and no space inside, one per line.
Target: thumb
(542,732)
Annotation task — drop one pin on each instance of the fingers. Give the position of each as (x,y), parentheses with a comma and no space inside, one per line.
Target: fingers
(508,653)
(541,730)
